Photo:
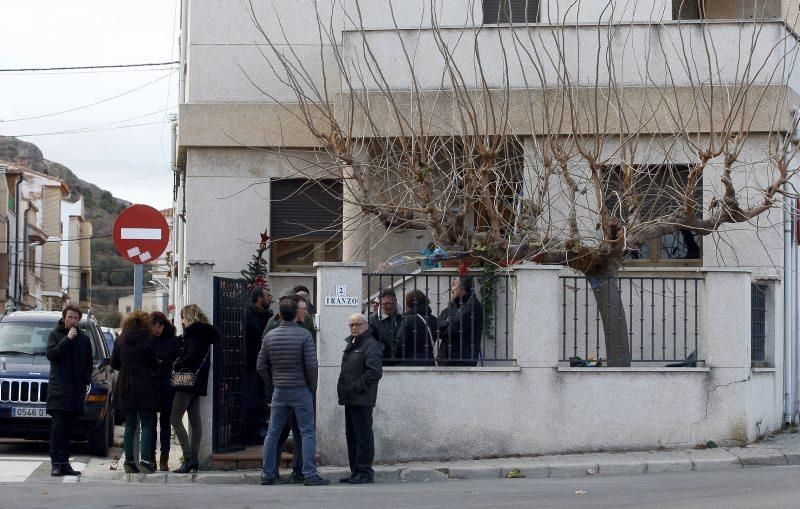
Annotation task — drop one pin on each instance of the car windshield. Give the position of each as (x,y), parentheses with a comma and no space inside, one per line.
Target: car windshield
(30,337)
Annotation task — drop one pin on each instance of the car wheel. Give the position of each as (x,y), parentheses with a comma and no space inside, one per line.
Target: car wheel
(98,440)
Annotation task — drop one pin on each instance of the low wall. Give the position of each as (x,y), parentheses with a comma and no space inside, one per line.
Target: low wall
(539,407)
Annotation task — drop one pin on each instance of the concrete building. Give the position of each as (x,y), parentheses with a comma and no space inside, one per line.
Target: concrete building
(76,254)
(241,136)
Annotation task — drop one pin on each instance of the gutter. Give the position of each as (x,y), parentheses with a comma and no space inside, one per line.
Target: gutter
(789,285)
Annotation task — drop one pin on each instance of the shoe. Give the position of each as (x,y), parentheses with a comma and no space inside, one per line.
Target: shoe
(163,462)
(297,478)
(66,469)
(282,480)
(130,467)
(189,465)
(316,480)
(361,479)
(55,471)
(147,467)
(267,481)
(346,480)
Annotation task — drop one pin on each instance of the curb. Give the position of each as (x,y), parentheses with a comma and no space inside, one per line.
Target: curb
(532,469)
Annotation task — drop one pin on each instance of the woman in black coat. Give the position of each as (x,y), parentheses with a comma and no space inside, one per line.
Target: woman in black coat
(198,336)
(136,391)
(165,345)
(417,332)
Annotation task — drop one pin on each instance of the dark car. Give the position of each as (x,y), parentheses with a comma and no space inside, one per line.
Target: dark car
(24,374)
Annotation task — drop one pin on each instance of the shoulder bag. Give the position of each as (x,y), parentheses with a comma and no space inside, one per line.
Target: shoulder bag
(186,379)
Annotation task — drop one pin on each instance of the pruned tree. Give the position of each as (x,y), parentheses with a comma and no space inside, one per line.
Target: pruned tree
(559,143)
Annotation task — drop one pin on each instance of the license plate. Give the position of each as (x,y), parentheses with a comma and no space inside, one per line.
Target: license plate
(28,412)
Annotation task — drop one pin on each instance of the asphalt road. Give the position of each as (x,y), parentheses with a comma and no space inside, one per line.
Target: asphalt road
(773,487)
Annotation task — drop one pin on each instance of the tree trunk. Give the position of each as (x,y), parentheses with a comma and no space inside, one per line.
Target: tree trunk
(608,297)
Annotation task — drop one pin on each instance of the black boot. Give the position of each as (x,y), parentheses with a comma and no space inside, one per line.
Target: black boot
(189,464)
(130,467)
(147,467)
(55,470)
(66,469)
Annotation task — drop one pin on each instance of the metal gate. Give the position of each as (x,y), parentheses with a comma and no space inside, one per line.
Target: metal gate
(230,304)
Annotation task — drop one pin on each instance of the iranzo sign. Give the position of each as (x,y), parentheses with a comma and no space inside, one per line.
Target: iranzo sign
(341,298)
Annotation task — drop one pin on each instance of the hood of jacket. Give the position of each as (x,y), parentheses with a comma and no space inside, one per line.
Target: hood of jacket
(203,330)
(419,308)
(133,337)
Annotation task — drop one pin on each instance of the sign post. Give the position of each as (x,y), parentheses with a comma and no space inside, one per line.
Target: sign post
(141,234)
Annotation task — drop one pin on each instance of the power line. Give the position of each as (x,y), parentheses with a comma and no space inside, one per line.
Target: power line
(90,104)
(115,66)
(82,131)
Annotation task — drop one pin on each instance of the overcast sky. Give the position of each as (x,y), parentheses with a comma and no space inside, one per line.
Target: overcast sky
(55,33)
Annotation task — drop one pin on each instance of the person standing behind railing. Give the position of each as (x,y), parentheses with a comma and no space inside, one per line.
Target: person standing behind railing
(416,337)
(384,323)
(461,326)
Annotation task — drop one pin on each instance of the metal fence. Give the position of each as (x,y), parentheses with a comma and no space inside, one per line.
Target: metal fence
(475,332)
(758,323)
(661,315)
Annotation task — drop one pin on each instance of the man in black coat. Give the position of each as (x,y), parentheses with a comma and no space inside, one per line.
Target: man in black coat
(70,354)
(358,390)
(461,326)
(385,323)
(256,318)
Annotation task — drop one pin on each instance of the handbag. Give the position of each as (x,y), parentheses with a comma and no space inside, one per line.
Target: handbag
(186,379)
(434,349)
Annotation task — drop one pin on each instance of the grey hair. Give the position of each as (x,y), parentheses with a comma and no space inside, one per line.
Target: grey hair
(360,315)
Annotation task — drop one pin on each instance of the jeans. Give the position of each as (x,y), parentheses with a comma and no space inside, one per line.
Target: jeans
(187,402)
(162,428)
(131,425)
(284,400)
(360,440)
(297,455)
(61,426)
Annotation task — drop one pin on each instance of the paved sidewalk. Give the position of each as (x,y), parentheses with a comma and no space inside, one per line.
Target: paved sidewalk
(779,449)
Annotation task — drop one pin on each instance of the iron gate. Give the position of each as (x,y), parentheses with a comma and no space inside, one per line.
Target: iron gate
(230,304)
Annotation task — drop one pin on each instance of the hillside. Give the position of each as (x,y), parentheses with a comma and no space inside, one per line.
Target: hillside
(112,276)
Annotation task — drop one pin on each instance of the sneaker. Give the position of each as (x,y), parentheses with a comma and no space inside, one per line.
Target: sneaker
(361,479)
(282,480)
(316,480)
(346,480)
(297,478)
(265,481)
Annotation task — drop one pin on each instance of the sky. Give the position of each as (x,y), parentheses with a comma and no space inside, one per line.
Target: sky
(117,153)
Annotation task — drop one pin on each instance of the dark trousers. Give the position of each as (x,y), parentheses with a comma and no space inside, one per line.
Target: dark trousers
(162,428)
(132,420)
(61,426)
(255,408)
(360,440)
(297,454)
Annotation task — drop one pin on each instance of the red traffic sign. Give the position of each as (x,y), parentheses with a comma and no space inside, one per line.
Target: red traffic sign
(141,234)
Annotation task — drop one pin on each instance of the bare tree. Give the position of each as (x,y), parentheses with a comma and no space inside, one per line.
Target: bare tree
(558,142)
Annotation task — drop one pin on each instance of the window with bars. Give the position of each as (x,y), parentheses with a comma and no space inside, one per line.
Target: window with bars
(510,11)
(758,324)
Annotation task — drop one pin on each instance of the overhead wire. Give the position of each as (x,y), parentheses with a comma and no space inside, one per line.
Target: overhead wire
(112,66)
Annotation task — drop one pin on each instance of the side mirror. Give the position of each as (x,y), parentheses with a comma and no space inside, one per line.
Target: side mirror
(105,361)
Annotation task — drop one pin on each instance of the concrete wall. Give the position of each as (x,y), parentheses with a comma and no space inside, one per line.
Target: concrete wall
(538,406)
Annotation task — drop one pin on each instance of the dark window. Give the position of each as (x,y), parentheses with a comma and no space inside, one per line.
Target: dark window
(652,192)
(510,11)
(758,323)
(305,223)
(687,9)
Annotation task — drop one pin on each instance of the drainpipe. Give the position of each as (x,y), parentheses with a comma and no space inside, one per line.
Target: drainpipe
(789,285)
(182,48)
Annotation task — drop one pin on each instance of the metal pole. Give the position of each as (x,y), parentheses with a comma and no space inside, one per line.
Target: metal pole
(138,276)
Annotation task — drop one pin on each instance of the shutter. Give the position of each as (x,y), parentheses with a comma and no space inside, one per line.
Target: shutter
(303,208)
(510,11)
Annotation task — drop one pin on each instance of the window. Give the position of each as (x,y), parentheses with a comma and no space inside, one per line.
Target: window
(758,324)
(305,223)
(687,9)
(656,191)
(510,11)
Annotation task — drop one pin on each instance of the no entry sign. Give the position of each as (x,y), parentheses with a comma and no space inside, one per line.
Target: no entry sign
(141,233)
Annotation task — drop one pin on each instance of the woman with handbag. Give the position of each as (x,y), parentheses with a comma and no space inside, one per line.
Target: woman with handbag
(165,345)
(190,381)
(415,336)
(135,392)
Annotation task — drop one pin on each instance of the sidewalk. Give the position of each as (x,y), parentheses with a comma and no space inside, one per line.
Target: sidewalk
(779,449)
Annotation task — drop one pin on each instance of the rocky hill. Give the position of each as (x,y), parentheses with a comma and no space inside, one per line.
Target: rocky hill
(112,276)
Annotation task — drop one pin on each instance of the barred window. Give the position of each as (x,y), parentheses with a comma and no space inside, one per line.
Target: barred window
(510,11)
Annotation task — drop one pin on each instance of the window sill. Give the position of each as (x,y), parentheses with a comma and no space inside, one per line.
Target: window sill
(764,370)
(453,369)
(659,369)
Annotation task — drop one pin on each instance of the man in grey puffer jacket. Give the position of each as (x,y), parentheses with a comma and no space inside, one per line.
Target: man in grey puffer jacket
(288,362)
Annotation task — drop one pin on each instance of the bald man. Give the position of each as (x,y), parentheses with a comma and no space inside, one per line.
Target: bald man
(358,389)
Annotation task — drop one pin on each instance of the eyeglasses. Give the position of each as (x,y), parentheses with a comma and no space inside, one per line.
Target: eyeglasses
(356,324)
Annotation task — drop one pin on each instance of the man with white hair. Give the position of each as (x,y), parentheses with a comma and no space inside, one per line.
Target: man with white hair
(358,390)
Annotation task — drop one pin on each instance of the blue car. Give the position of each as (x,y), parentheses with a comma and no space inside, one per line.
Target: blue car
(24,375)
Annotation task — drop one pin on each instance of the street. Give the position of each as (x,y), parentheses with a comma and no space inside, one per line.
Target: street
(773,487)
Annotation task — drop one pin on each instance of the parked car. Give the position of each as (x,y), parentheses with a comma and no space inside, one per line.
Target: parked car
(24,375)
(110,336)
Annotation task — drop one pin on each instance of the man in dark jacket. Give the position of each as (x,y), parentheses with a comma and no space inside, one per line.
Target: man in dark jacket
(358,390)
(461,326)
(70,354)
(256,318)
(385,323)
(288,362)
